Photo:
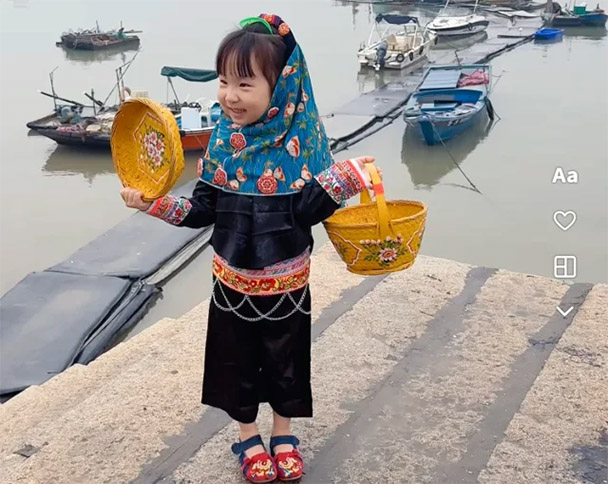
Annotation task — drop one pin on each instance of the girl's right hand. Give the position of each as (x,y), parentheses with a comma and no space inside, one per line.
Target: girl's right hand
(134,199)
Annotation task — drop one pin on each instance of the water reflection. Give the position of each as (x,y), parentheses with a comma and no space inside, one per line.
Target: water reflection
(464,42)
(70,161)
(370,79)
(427,165)
(591,33)
(98,56)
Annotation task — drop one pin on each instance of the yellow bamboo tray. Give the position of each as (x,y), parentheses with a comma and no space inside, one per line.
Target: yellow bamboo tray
(378,237)
(146,147)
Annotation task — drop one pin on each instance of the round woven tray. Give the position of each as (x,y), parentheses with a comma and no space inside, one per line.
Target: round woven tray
(378,237)
(146,147)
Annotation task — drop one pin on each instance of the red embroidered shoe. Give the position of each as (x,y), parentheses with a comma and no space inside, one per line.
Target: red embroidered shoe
(260,467)
(289,465)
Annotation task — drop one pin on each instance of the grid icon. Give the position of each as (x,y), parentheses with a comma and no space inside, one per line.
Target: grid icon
(564,266)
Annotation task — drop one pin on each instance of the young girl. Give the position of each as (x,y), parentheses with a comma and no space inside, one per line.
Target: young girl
(266,179)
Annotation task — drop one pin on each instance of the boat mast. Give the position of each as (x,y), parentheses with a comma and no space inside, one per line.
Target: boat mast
(119,77)
(173,89)
(475,8)
(53,87)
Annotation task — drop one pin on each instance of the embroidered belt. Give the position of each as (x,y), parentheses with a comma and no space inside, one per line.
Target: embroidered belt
(280,278)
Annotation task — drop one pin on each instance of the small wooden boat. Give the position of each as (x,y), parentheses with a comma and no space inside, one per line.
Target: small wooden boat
(399,45)
(449,100)
(458,25)
(75,124)
(96,39)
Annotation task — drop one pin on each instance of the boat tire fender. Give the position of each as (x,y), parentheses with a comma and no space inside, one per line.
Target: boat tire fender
(490,110)
(421,50)
(470,26)
(400,57)
(411,55)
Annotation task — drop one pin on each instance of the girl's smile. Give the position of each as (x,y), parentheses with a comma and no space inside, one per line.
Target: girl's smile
(244,99)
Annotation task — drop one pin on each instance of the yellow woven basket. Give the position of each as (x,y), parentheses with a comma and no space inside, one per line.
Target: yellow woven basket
(146,147)
(378,237)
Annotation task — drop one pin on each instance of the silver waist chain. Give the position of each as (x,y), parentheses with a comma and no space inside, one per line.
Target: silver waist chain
(267,316)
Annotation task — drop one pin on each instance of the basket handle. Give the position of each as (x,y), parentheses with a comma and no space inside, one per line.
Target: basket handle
(383,216)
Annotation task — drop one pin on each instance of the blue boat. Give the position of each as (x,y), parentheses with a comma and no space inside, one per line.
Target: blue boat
(557,16)
(548,34)
(449,100)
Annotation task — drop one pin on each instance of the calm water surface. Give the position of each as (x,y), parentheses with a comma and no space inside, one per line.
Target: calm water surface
(552,99)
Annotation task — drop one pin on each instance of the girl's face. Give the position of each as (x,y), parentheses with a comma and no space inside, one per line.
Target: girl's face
(244,99)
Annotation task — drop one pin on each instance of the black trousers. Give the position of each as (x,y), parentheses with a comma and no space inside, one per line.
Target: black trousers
(249,361)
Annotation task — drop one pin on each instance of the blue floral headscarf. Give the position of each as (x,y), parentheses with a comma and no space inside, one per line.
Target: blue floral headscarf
(280,153)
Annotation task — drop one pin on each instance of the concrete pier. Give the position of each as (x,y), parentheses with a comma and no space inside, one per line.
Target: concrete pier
(444,373)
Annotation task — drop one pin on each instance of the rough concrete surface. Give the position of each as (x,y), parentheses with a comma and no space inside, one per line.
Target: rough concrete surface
(349,359)
(101,423)
(428,375)
(435,403)
(561,432)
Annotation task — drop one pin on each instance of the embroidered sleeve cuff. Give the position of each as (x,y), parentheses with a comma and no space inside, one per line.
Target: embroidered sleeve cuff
(342,180)
(171,209)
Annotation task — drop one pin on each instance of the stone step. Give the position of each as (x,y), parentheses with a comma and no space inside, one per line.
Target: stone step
(560,433)
(115,413)
(416,377)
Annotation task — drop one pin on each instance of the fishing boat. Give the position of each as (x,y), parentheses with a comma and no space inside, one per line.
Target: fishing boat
(96,39)
(449,100)
(395,42)
(195,120)
(556,16)
(457,25)
(90,126)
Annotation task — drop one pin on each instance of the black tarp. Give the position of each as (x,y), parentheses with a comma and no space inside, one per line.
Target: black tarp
(395,19)
(48,316)
(74,311)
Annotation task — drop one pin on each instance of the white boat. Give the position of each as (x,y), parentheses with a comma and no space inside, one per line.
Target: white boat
(396,44)
(450,25)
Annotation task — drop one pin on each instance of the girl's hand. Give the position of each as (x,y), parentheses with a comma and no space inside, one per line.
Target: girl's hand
(134,199)
(362,161)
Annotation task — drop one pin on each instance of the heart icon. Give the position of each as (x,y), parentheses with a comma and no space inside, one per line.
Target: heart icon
(564,220)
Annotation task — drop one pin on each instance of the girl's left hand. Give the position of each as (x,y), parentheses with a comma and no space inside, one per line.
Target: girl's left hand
(362,161)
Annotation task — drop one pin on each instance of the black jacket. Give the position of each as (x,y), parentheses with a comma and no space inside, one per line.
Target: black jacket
(253,232)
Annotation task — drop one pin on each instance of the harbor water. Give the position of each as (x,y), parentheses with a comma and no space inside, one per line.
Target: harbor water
(551,99)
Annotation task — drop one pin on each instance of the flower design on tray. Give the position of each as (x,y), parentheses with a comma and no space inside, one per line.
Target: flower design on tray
(153,149)
(384,251)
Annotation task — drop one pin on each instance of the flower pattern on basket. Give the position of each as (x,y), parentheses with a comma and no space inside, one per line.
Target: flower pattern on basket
(153,148)
(384,252)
